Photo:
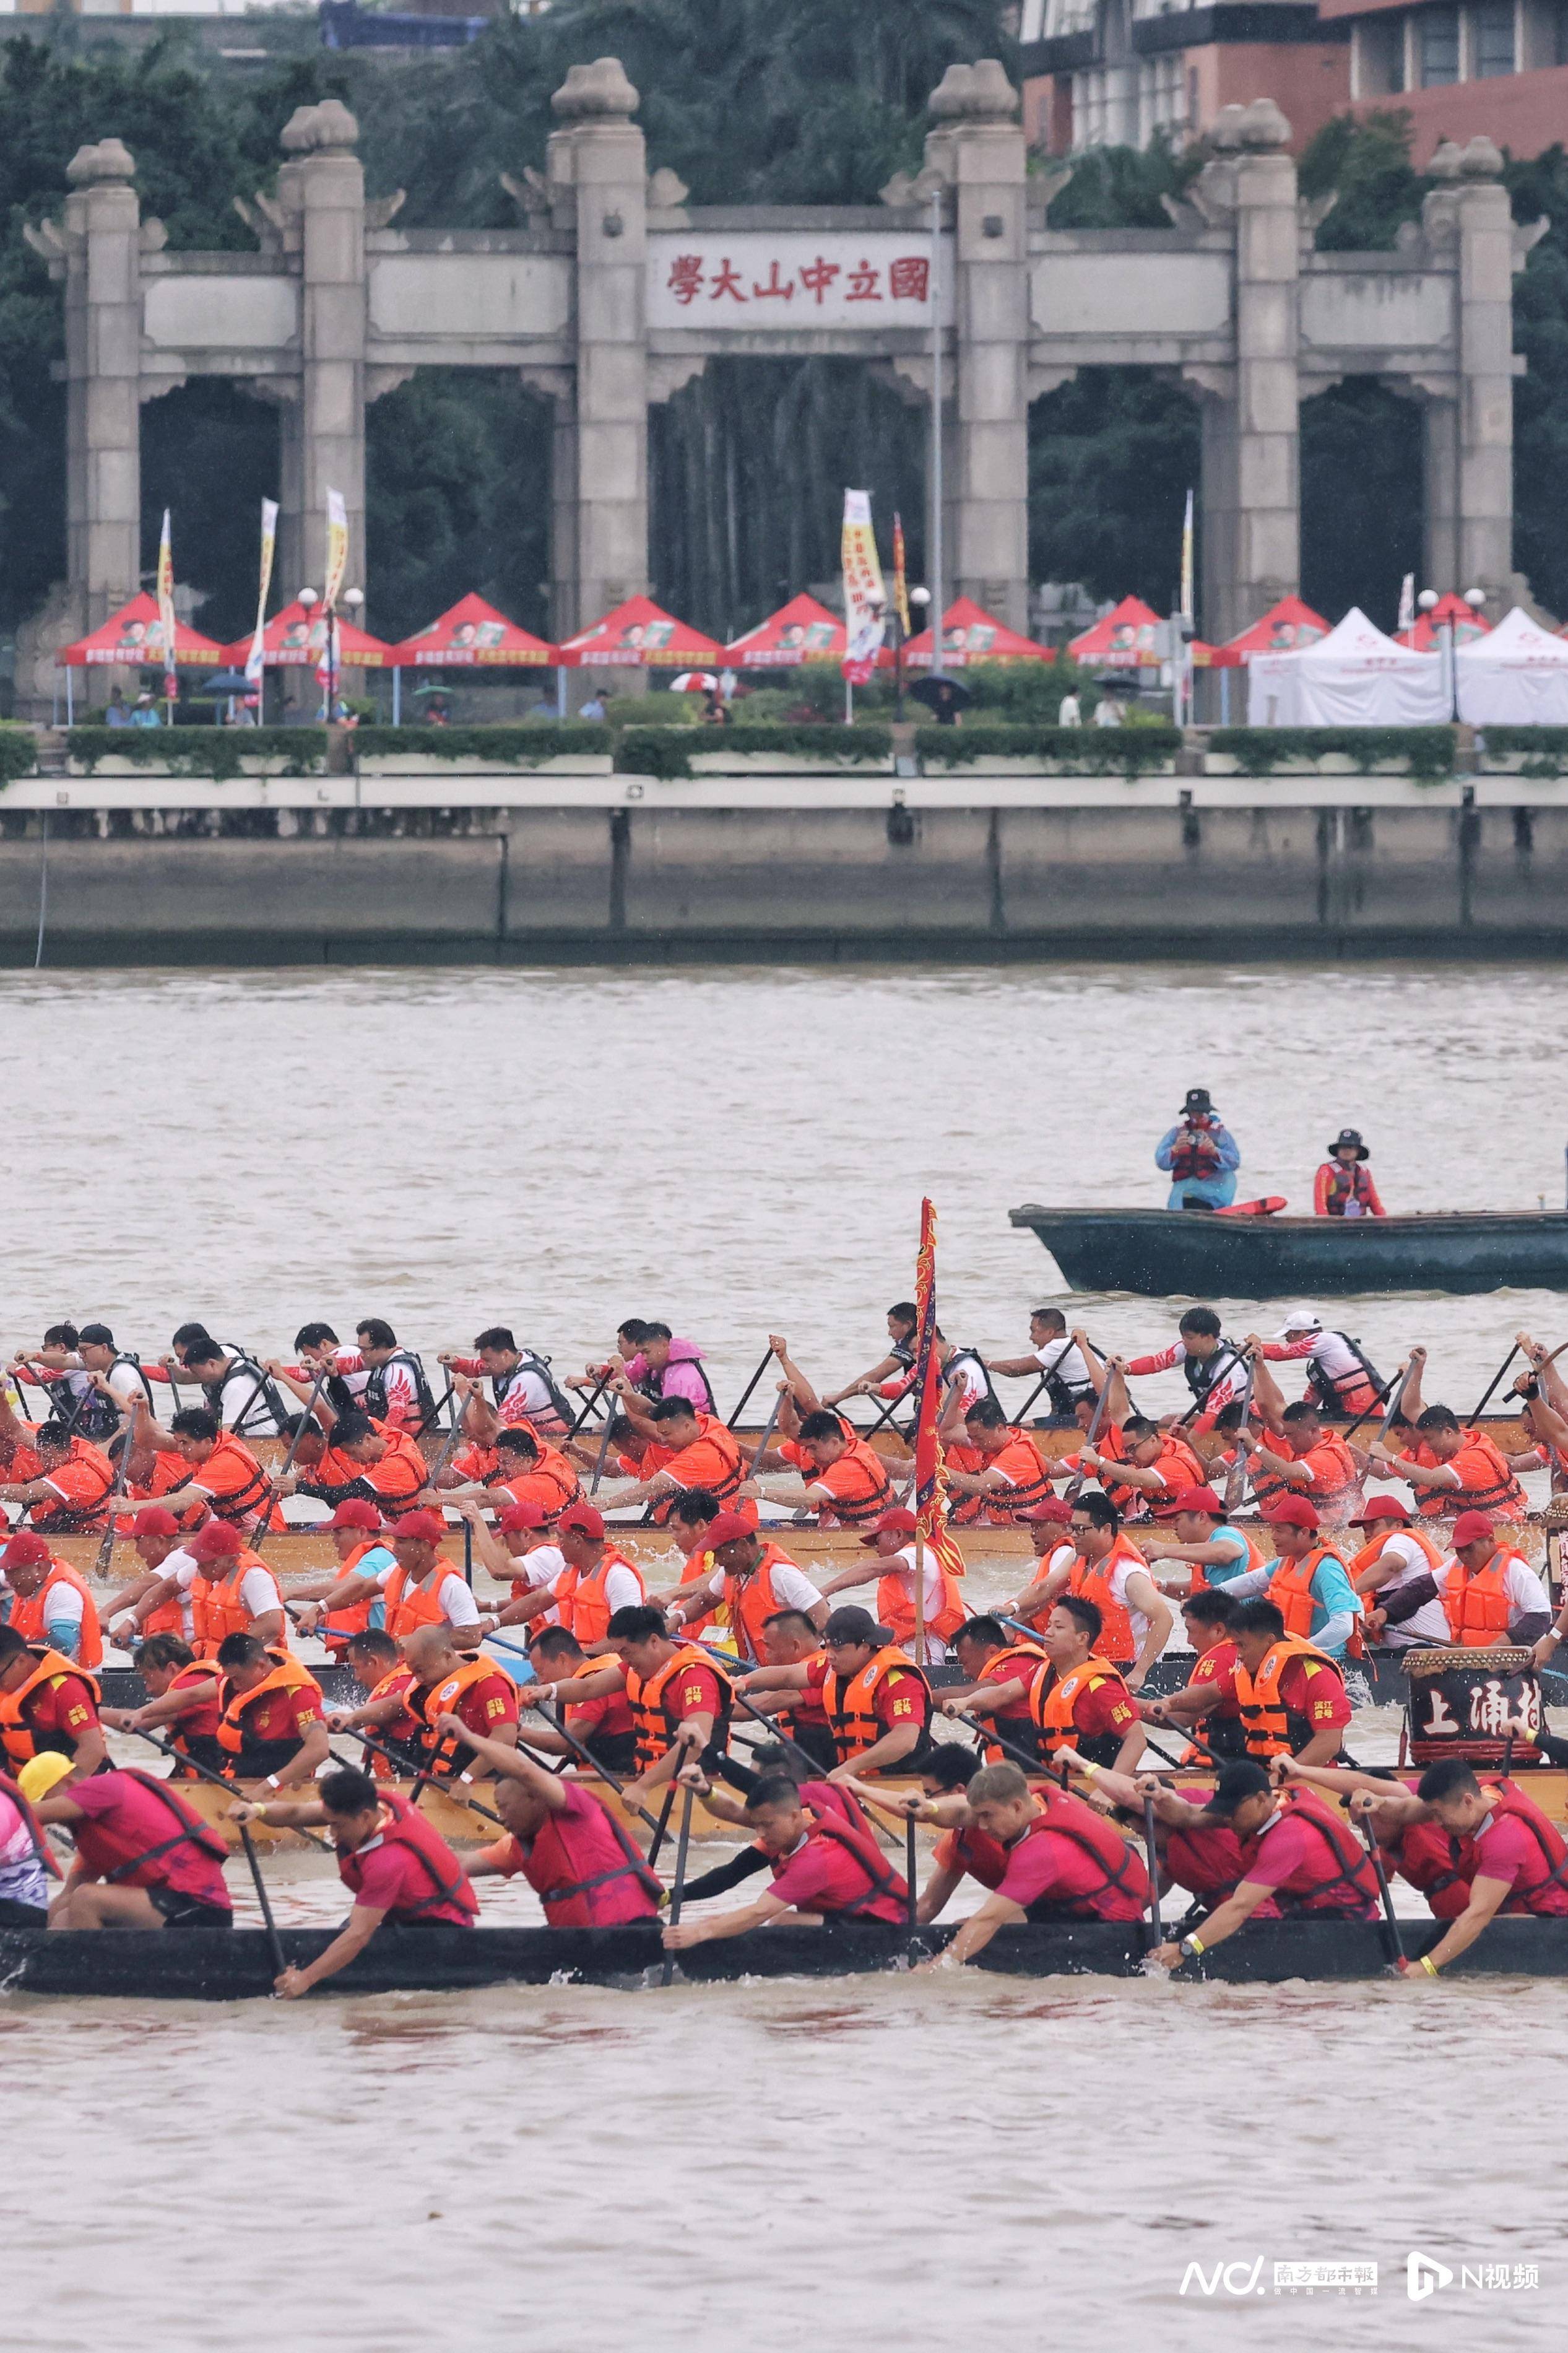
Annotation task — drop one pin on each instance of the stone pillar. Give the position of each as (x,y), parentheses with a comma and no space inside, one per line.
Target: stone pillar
(598,173)
(978,148)
(1251,454)
(102,231)
(1468,536)
(322,190)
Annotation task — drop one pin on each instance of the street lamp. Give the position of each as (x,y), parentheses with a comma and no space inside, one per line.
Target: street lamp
(920,599)
(1428,602)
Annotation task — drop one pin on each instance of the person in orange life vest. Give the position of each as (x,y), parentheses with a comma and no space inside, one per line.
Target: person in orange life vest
(155,1537)
(69,1496)
(595,1582)
(891,1375)
(998,1470)
(49,1602)
(47,1705)
(1295,1452)
(1490,1595)
(1521,1862)
(690,1518)
(272,1726)
(1307,1583)
(1452,1469)
(473,1691)
(999,1671)
(182,1703)
(388,1682)
(1207,1700)
(424,1586)
(525,1471)
(1064,1861)
(896,1562)
(603,1727)
(143,1857)
(1396,1573)
(791,1639)
(704,1454)
(1108,1569)
(754,1579)
(1201,1539)
(1141,1467)
(1050,1533)
(573,1853)
(1294,1848)
(363,1551)
(222,1580)
(826,1862)
(1293,1699)
(343,1455)
(395,1865)
(846,1481)
(221,1470)
(877,1701)
(1342,1186)
(679,1698)
(519,1550)
(1082,1701)
(520,1382)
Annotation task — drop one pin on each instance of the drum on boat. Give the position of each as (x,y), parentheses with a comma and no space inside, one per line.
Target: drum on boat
(1476,1705)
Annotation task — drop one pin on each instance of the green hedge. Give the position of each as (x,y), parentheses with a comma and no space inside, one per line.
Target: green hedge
(1260,750)
(1547,748)
(1087,751)
(528,744)
(666,752)
(215,752)
(19,752)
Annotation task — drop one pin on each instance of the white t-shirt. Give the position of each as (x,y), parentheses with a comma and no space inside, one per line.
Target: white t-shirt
(1526,1594)
(970,1378)
(902,1567)
(245,1409)
(1427,1624)
(537,1571)
(126,1382)
(62,1606)
(1063,1359)
(794,1587)
(258,1587)
(621,1589)
(1123,1569)
(458,1607)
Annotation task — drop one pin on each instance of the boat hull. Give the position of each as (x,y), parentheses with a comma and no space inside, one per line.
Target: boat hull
(1183,1253)
(198,1965)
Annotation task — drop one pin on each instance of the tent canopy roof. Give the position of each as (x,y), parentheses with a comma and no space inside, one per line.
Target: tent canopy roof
(135,635)
(640,634)
(1451,610)
(296,638)
(1285,629)
(801,631)
(471,633)
(971,634)
(1125,637)
(1516,643)
(1355,644)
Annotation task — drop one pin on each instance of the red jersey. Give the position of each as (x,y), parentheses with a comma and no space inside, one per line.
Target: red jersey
(127,1821)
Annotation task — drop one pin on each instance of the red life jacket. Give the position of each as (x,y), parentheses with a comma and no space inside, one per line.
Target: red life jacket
(1123,1881)
(587,1872)
(886,1895)
(118,1855)
(451,1890)
(1348,1883)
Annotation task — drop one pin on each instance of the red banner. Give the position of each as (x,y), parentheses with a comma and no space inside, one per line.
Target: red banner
(930,1475)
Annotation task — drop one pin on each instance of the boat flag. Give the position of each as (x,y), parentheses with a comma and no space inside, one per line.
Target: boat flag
(931,1471)
(167,609)
(255,663)
(865,598)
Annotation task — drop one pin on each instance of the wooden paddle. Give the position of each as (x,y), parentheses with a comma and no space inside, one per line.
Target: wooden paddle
(433,1781)
(1393,1939)
(1078,1477)
(306,1422)
(678,1889)
(591,1402)
(1236,1477)
(1154,1930)
(745,1396)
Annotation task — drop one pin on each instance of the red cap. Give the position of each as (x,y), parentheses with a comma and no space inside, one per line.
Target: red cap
(1471,1526)
(420,1527)
(582,1520)
(25,1551)
(1381,1507)
(897,1522)
(1198,1499)
(359,1512)
(730,1528)
(1053,1510)
(217,1541)
(1293,1512)
(155,1521)
(519,1516)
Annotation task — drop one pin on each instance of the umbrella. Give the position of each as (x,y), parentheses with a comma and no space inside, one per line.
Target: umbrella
(694,681)
(941,693)
(225,681)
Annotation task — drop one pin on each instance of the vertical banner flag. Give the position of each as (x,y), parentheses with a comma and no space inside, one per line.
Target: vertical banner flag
(1184,650)
(901,577)
(166,608)
(337,565)
(1407,604)
(1188,601)
(930,1475)
(865,599)
(255,660)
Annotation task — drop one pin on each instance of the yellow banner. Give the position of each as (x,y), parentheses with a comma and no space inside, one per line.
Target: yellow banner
(337,548)
(166,623)
(256,659)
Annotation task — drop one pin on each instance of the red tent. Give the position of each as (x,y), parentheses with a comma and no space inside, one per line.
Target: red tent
(471,633)
(296,638)
(1467,624)
(971,634)
(639,634)
(1285,629)
(801,631)
(134,636)
(1123,639)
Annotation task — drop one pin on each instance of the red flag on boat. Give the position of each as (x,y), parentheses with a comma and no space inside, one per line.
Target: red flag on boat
(931,1472)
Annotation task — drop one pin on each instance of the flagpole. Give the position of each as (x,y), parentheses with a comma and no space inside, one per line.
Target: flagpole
(938,606)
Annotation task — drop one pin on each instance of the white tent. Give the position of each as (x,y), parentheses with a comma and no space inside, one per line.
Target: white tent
(1516,676)
(1355,677)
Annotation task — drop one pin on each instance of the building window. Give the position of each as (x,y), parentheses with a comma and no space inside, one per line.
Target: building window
(1379,56)
(1438,34)
(1492,28)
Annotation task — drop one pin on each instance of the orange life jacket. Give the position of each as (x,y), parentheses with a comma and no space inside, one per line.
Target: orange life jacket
(1477,1607)
(29,1617)
(751,1600)
(350,1618)
(1372,1552)
(1027,1656)
(184,1729)
(217,1611)
(1092,1579)
(848,1703)
(860,1504)
(1271,1729)
(1499,1492)
(86,1476)
(409,1603)
(1291,1589)
(286,1674)
(896,1608)
(1256,1558)
(444,1754)
(249,1497)
(580,1596)
(1055,1697)
(722,1481)
(656,1720)
(16,1737)
(1332,1495)
(403,1730)
(1026,1486)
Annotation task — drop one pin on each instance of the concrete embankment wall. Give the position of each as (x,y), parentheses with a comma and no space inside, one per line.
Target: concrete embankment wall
(575,868)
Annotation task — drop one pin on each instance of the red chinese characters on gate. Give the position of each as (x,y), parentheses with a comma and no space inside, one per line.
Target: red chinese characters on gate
(692,279)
